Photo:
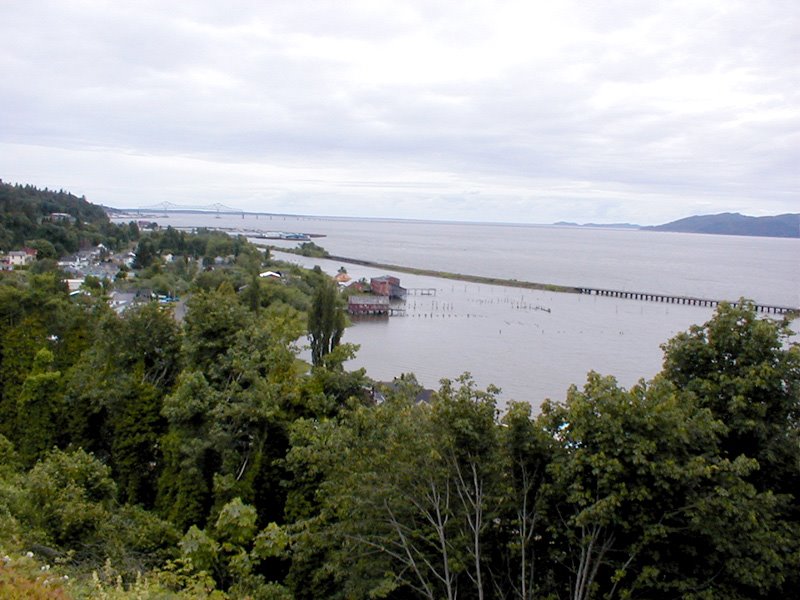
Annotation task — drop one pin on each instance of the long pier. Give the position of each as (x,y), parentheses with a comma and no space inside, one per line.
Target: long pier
(530,285)
(688,300)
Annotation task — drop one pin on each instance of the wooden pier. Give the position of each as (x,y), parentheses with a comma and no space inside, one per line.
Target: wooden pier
(688,300)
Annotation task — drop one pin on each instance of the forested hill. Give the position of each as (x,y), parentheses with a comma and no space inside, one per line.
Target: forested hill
(787,225)
(35,203)
(26,219)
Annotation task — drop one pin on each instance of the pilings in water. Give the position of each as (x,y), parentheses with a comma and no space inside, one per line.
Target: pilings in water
(647,296)
(689,300)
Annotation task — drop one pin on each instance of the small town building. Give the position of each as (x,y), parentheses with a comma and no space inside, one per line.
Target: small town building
(368,305)
(21,258)
(59,217)
(74,284)
(342,277)
(387,286)
(357,287)
(121,301)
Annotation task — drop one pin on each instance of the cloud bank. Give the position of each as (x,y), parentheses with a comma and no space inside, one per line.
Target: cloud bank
(522,111)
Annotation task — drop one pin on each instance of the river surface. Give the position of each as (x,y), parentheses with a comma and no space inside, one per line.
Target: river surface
(534,344)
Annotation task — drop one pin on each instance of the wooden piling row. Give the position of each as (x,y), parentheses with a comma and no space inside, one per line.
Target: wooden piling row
(688,300)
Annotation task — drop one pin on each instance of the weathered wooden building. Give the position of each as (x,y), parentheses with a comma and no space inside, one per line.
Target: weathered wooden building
(388,286)
(368,305)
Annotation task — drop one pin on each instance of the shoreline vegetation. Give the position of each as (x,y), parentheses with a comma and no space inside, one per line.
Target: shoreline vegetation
(528,285)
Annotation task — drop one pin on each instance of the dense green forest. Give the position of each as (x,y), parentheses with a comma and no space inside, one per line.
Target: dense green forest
(24,221)
(146,456)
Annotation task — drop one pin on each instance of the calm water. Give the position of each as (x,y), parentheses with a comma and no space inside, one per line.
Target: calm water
(535,344)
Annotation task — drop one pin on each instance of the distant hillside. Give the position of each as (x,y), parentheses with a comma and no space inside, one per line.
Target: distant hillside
(26,219)
(787,225)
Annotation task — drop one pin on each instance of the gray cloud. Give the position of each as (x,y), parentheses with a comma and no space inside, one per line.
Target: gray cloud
(483,110)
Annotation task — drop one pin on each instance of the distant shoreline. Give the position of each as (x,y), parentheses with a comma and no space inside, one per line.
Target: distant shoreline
(785,226)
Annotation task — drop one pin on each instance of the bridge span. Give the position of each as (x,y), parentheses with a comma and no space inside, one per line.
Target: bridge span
(172,207)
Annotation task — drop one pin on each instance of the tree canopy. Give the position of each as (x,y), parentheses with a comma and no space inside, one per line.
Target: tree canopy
(197,455)
(54,223)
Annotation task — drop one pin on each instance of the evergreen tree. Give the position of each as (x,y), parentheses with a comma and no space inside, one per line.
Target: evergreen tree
(135,454)
(40,410)
(190,460)
(326,320)
(145,253)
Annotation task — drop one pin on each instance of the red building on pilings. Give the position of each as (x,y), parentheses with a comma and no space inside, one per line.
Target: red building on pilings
(387,286)
(368,305)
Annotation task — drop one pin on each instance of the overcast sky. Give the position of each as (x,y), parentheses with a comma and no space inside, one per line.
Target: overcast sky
(530,111)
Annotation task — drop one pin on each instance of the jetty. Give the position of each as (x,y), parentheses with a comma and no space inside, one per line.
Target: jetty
(789,311)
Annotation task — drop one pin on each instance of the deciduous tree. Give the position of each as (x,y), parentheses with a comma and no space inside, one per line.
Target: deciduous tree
(747,372)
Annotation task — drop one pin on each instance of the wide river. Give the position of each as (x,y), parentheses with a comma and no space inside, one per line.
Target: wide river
(534,344)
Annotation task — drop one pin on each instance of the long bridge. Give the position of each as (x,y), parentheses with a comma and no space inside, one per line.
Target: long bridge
(688,300)
(215,208)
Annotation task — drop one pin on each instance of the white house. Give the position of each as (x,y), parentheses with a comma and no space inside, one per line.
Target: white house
(19,258)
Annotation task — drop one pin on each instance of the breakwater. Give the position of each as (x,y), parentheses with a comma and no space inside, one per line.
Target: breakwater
(591,291)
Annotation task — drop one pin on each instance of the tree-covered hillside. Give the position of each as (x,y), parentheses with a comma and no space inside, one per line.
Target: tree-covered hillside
(26,220)
(200,460)
(147,454)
